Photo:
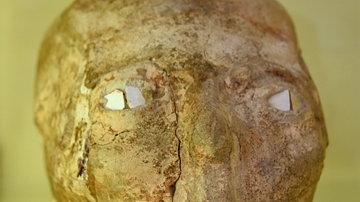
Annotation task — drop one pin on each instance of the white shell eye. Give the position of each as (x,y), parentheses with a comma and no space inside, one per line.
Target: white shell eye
(281,101)
(134,96)
(115,100)
(286,101)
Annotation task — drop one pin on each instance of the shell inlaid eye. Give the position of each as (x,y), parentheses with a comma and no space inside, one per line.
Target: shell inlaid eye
(134,96)
(281,101)
(115,100)
(285,101)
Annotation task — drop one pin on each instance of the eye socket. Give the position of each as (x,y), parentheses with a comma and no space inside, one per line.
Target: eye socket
(116,100)
(285,101)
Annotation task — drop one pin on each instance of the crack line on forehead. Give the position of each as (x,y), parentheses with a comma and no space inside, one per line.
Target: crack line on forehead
(176,127)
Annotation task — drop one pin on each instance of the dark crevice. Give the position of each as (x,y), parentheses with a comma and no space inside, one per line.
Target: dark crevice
(83,159)
(173,189)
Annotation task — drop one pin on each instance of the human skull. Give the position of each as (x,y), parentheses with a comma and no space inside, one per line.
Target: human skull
(178,100)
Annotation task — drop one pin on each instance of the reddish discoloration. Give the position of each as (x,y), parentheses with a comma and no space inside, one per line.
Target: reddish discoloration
(111,78)
(277,33)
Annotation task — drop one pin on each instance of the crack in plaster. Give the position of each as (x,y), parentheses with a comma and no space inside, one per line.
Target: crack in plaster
(173,187)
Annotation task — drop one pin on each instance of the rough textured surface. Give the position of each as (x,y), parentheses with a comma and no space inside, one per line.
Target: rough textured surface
(207,132)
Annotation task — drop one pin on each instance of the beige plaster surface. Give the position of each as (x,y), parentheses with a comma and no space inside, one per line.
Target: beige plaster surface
(328,35)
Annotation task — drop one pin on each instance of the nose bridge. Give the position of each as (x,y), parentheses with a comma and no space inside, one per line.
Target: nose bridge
(207,144)
(205,155)
(219,170)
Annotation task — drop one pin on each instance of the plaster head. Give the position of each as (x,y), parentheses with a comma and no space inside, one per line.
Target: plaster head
(166,100)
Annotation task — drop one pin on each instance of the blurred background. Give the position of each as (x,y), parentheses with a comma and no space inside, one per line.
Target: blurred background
(328,33)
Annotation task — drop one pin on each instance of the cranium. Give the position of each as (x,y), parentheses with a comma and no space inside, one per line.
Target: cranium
(178,100)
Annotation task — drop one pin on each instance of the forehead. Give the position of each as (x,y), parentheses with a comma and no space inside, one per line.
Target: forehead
(174,34)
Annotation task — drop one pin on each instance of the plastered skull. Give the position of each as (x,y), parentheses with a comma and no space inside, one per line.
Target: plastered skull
(178,100)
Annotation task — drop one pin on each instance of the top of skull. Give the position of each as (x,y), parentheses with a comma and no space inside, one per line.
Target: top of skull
(114,34)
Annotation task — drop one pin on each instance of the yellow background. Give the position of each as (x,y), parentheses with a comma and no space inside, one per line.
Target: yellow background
(328,32)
